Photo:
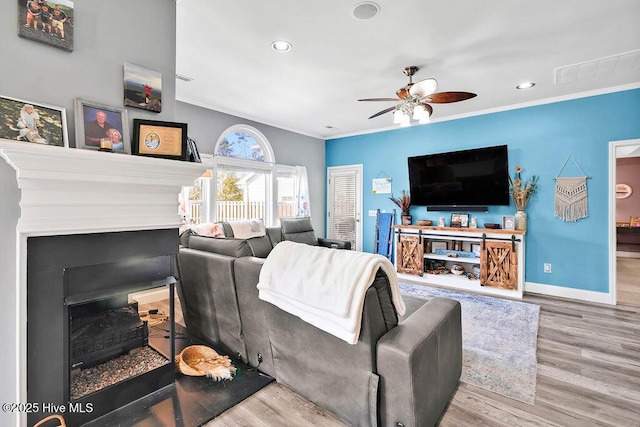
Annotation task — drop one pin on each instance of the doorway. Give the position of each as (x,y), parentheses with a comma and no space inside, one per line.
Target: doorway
(344,204)
(624,237)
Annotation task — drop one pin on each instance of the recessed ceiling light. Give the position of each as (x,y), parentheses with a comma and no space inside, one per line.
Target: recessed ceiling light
(366,10)
(525,85)
(281,46)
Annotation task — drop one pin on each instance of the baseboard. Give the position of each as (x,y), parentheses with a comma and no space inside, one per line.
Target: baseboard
(563,292)
(627,254)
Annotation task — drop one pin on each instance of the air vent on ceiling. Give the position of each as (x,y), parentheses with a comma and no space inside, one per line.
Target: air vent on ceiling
(627,61)
(184,78)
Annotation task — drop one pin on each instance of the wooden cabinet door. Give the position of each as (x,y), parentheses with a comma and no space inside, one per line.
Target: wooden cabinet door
(410,254)
(499,265)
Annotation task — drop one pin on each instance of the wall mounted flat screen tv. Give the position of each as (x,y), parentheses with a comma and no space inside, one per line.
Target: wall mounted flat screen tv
(460,179)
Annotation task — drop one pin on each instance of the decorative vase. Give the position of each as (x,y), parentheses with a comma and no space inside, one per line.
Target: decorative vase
(521,220)
(406,218)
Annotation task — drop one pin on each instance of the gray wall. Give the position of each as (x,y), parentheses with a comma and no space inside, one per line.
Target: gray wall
(290,148)
(107,34)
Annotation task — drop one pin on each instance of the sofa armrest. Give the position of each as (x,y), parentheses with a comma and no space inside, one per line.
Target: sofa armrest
(419,363)
(333,243)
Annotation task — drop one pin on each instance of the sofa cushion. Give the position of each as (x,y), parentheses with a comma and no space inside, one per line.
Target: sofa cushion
(260,246)
(230,247)
(298,230)
(275,235)
(244,229)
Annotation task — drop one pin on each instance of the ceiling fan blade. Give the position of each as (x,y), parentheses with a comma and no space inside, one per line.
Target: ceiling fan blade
(386,110)
(378,99)
(429,108)
(423,88)
(446,97)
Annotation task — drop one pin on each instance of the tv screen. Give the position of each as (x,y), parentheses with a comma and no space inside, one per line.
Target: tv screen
(477,177)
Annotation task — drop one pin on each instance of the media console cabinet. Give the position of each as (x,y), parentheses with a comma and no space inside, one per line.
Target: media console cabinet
(493,260)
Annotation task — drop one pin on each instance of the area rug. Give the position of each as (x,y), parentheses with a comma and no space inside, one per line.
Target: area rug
(499,339)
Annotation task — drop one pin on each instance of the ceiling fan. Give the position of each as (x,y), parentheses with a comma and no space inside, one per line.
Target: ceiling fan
(415,99)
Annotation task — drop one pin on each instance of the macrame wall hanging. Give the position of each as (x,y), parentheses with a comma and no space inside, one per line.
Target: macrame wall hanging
(571,201)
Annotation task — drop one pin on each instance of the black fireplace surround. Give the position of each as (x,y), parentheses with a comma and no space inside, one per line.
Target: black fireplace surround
(70,271)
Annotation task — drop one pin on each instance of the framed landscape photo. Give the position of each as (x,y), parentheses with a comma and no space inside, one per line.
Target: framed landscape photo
(101,127)
(462,218)
(154,138)
(50,22)
(32,122)
(142,88)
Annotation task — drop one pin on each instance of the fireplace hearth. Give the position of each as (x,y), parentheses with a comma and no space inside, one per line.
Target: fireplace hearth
(88,350)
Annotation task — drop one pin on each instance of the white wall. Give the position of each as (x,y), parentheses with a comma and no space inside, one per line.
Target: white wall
(107,34)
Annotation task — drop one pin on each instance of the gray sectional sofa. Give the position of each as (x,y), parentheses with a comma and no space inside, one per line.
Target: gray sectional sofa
(401,372)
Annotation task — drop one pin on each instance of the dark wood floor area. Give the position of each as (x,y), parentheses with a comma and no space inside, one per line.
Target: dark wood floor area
(588,375)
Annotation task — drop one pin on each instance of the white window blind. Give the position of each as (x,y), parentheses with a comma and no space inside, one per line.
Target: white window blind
(343,214)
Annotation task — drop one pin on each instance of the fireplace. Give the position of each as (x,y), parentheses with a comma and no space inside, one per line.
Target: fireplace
(66,193)
(83,328)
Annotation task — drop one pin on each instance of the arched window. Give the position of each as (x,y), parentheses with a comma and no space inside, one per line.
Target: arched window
(244,142)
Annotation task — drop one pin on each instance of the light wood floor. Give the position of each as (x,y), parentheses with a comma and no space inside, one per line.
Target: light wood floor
(628,287)
(588,375)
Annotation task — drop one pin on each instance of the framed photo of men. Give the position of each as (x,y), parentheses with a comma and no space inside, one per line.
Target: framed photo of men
(101,127)
(47,21)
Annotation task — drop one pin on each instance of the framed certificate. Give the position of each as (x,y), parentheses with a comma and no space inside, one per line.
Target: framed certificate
(154,138)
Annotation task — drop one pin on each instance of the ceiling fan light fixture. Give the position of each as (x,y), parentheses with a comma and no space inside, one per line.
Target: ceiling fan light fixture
(525,85)
(281,46)
(398,116)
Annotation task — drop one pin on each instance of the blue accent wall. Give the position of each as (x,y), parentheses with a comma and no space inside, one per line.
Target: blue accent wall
(539,139)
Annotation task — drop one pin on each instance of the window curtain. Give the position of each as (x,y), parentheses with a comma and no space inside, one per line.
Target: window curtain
(302,192)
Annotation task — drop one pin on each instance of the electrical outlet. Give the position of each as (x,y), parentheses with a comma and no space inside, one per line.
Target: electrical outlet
(547,267)
(373,212)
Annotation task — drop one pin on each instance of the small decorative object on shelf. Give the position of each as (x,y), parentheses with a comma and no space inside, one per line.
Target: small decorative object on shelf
(474,222)
(404,203)
(521,194)
(457,269)
(441,222)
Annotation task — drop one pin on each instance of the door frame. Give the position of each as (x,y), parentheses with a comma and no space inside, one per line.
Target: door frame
(613,263)
(358,169)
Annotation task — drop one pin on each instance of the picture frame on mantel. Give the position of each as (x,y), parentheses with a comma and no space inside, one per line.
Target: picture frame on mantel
(33,122)
(50,23)
(101,127)
(153,138)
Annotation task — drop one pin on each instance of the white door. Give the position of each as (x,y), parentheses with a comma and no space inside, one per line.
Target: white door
(344,204)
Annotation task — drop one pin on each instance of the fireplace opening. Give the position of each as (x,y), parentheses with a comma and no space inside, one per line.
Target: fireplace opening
(109,343)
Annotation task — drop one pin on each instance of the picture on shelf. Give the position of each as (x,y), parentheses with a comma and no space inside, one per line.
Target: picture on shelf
(475,248)
(438,245)
(461,218)
(508,222)
(31,122)
(142,88)
(101,127)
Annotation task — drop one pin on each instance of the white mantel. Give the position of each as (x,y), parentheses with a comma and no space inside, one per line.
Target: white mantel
(75,191)
(70,191)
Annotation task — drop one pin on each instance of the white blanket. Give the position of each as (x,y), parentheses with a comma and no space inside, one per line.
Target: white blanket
(324,287)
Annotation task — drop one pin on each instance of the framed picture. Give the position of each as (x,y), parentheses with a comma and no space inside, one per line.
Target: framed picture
(438,245)
(47,22)
(101,127)
(153,138)
(508,222)
(193,155)
(475,248)
(32,122)
(462,218)
(142,88)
